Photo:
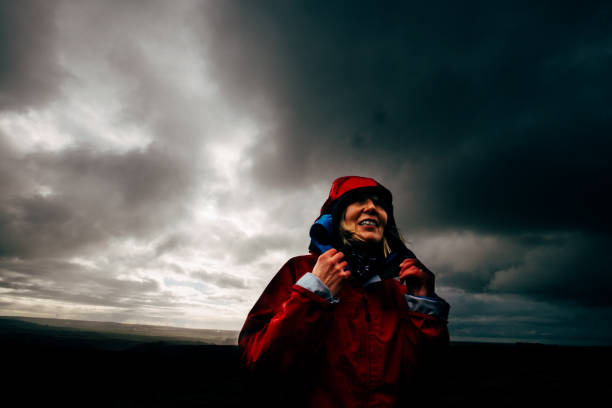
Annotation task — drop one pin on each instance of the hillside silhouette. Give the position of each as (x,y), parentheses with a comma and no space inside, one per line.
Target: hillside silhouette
(71,366)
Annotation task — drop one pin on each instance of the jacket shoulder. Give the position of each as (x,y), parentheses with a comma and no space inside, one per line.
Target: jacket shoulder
(297,266)
(278,289)
(306,260)
(293,270)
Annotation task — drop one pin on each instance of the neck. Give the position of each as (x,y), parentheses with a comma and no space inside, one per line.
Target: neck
(365,249)
(364,260)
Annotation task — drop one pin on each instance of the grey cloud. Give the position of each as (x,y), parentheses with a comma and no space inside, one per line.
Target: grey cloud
(85,200)
(97,193)
(225,280)
(138,50)
(29,73)
(226,299)
(95,196)
(69,282)
(170,243)
(249,249)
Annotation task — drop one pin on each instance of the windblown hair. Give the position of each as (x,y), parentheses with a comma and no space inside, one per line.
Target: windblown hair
(350,239)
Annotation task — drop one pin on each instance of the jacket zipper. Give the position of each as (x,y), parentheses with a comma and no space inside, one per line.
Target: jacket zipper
(367,311)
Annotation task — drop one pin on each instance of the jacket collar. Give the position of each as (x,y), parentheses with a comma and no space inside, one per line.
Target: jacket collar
(321,233)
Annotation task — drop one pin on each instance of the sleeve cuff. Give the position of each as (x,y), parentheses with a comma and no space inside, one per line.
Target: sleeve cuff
(436,307)
(315,285)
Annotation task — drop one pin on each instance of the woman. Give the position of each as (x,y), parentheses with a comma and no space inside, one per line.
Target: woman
(352,323)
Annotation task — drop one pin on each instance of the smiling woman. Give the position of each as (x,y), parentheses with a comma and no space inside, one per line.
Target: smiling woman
(355,322)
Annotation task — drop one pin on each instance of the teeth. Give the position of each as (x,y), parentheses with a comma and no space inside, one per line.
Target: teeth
(368,222)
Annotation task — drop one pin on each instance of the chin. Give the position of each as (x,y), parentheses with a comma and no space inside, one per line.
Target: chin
(369,239)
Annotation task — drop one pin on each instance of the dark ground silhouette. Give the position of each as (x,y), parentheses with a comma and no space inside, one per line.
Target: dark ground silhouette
(64,367)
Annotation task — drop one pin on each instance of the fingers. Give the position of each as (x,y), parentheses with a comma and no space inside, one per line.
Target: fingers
(331,267)
(335,279)
(337,257)
(413,267)
(409,262)
(410,271)
(332,254)
(419,280)
(338,277)
(329,253)
(409,266)
(334,260)
(339,269)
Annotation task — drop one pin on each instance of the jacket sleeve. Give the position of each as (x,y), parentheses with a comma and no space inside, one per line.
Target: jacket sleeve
(286,326)
(428,318)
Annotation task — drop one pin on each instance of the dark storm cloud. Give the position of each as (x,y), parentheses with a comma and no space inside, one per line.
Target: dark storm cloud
(574,268)
(560,267)
(492,117)
(29,73)
(517,317)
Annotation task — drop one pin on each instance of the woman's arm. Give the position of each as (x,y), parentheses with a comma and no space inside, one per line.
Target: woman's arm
(287,325)
(428,311)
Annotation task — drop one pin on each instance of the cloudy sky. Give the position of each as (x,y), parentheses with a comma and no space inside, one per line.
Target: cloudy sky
(160,161)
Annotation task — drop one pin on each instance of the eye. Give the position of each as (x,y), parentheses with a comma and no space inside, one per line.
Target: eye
(375,200)
(362,200)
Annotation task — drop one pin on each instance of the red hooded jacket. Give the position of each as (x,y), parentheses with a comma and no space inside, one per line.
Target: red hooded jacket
(362,349)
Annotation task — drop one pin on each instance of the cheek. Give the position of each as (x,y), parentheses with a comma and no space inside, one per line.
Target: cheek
(351,215)
(347,224)
(384,222)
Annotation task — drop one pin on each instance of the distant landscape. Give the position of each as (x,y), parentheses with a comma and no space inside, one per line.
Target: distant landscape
(134,332)
(81,363)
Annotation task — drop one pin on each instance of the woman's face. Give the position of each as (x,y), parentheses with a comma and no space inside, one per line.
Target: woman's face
(366,218)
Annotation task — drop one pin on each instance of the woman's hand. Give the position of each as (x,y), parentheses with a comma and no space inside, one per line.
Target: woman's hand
(419,280)
(330,269)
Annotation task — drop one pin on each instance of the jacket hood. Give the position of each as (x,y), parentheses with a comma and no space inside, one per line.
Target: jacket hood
(344,191)
(351,184)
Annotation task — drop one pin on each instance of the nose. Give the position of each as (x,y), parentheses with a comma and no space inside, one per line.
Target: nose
(369,206)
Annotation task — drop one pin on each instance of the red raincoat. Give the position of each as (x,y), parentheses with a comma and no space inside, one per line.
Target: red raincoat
(364,351)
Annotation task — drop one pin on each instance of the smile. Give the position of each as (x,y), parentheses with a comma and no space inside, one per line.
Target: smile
(369,221)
